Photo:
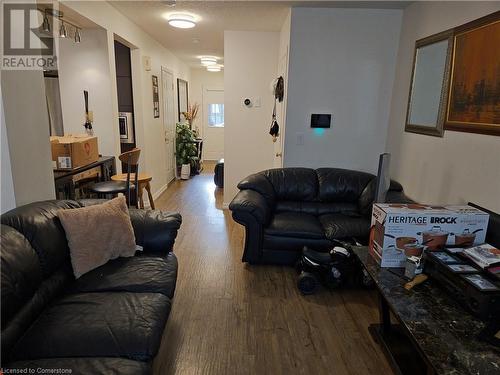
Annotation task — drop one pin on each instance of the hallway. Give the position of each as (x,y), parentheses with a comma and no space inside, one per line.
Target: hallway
(231,318)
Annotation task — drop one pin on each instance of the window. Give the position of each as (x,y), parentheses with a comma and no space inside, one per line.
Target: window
(216,115)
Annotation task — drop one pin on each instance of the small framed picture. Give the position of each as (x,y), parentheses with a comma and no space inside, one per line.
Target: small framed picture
(461,268)
(156,98)
(445,258)
(480,282)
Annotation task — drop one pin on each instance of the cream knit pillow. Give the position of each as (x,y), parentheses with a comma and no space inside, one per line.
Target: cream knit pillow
(97,234)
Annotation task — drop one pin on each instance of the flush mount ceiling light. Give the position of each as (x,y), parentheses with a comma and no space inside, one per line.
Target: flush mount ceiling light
(181,21)
(214,68)
(208,60)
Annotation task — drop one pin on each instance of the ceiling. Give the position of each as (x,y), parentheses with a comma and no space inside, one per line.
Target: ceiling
(213,17)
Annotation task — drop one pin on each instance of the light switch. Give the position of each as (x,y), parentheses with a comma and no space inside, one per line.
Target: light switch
(257,102)
(300,139)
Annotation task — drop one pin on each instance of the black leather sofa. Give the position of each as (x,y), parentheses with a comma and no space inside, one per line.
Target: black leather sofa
(287,208)
(109,321)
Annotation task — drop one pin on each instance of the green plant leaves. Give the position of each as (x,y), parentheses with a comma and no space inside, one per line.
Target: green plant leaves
(186,151)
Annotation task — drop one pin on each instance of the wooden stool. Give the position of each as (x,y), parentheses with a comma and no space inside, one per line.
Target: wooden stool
(144,183)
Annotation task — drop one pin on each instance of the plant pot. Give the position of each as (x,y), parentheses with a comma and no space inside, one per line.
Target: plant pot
(185,171)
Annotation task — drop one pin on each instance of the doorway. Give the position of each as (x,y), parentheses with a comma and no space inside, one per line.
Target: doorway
(213,123)
(167,83)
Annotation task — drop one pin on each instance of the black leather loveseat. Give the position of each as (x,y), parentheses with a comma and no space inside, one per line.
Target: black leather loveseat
(287,208)
(109,321)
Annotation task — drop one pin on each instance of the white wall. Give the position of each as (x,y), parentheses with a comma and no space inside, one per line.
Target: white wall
(85,66)
(27,126)
(8,197)
(149,131)
(342,62)
(460,167)
(250,65)
(201,79)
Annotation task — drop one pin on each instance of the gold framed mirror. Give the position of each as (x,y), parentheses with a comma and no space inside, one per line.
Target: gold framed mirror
(427,100)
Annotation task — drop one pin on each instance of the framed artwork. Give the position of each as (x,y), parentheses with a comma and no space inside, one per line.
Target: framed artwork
(474,97)
(427,99)
(182,97)
(156,98)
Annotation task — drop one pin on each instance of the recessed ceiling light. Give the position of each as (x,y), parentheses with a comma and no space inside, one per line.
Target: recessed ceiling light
(181,21)
(214,68)
(208,60)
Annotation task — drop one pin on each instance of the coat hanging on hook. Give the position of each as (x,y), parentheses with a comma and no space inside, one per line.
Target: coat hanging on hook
(278,93)
(279,89)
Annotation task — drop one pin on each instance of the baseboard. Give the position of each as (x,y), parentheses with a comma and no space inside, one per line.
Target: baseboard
(156,194)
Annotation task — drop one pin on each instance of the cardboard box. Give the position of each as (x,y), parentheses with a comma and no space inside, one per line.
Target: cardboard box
(74,151)
(398,228)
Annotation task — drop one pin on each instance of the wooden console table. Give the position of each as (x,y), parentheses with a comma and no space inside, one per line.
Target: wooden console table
(68,181)
(433,334)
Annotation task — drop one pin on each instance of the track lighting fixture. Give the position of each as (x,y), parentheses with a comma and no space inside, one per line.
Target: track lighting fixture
(63,33)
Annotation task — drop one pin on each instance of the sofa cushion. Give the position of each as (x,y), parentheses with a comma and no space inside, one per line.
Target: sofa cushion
(142,274)
(296,184)
(338,226)
(123,324)
(315,208)
(294,224)
(82,366)
(38,222)
(341,185)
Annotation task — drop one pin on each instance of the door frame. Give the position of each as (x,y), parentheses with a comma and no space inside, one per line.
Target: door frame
(166,70)
(283,65)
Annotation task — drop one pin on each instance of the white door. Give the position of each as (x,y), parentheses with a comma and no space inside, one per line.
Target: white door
(167,84)
(281,113)
(213,123)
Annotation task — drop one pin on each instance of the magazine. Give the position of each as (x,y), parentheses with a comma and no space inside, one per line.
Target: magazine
(483,255)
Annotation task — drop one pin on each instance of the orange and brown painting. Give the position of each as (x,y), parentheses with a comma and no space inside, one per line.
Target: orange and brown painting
(475,84)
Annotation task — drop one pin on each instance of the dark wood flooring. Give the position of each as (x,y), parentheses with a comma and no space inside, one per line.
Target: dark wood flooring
(231,318)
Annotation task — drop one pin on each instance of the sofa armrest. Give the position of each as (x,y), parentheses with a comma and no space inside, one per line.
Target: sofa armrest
(155,230)
(253,203)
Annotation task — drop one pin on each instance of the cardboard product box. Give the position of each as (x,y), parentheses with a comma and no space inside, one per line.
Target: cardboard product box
(74,151)
(400,229)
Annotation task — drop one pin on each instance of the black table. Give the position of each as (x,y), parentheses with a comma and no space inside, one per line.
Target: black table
(433,334)
(68,181)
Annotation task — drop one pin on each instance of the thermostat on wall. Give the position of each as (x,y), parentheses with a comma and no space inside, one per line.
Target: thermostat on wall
(320,120)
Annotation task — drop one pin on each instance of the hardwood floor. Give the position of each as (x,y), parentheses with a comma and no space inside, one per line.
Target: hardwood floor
(231,318)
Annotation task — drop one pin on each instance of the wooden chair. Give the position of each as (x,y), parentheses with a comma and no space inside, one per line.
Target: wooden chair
(144,184)
(130,160)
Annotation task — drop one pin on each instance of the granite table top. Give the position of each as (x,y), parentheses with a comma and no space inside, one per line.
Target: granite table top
(445,333)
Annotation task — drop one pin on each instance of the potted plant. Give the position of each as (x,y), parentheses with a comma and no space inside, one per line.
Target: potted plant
(186,152)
